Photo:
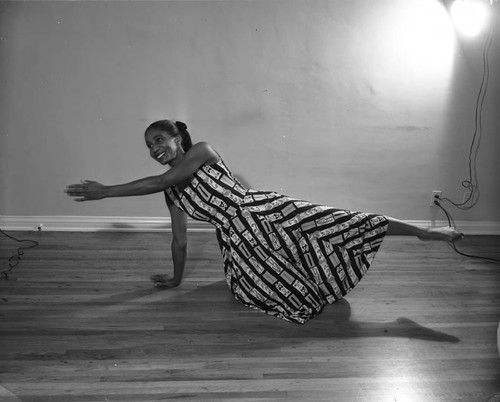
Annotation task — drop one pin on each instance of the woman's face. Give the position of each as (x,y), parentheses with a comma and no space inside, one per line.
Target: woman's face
(164,148)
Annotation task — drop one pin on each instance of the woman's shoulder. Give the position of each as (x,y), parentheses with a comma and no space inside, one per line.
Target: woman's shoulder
(204,151)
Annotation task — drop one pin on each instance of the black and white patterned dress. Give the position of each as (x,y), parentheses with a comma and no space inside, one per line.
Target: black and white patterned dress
(282,256)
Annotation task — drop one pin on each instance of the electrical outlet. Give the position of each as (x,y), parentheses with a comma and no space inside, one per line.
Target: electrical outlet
(435,196)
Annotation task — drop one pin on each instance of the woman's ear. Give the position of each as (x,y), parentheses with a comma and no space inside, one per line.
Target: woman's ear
(178,142)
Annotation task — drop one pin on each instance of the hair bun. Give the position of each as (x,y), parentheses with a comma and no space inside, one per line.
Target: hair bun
(181,126)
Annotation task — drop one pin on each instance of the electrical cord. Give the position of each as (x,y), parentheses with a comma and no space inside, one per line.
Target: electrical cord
(14,260)
(472,184)
(451,222)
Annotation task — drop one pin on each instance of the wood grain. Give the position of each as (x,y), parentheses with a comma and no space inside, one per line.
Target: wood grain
(80,321)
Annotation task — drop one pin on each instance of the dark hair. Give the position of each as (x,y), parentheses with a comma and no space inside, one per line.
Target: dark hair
(173,128)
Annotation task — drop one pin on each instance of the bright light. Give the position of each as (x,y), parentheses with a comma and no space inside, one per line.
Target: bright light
(470,16)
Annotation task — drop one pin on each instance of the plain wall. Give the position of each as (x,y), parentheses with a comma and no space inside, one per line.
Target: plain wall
(358,104)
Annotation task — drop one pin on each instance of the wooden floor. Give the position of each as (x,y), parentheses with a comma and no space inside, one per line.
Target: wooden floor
(80,322)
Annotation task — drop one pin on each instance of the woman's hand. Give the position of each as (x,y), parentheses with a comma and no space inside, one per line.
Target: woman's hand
(164,281)
(87,191)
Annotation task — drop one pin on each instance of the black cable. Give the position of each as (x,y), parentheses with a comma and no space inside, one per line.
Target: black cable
(472,184)
(14,260)
(493,260)
(451,222)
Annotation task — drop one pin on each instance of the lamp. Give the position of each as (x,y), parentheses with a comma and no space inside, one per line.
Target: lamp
(471,17)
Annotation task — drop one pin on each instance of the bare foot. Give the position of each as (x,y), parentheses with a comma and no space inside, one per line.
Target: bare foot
(448,234)
(160,278)
(164,281)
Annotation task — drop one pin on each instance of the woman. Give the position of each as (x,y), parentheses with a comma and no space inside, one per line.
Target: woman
(282,256)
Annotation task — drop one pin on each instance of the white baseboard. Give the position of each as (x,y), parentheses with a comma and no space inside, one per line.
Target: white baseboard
(150,224)
(94,224)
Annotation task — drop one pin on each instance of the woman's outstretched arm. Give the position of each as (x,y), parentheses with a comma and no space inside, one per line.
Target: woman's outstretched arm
(198,155)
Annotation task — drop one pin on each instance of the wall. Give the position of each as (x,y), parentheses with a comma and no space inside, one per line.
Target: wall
(355,104)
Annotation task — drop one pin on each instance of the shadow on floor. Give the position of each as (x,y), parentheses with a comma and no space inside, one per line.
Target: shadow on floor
(334,322)
(205,321)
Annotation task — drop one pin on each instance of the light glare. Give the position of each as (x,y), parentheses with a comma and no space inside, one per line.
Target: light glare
(470,16)
(420,40)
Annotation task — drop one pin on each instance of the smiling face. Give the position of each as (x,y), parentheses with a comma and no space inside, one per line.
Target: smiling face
(164,148)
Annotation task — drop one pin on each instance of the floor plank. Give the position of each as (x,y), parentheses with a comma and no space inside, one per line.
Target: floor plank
(80,321)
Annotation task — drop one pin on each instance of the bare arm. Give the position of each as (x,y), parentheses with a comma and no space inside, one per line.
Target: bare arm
(198,155)
(179,249)
(179,241)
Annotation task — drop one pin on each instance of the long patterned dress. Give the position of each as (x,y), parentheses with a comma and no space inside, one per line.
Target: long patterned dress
(283,256)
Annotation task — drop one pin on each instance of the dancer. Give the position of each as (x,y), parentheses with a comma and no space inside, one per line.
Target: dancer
(283,256)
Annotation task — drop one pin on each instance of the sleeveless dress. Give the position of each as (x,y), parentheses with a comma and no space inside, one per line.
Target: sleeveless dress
(283,256)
